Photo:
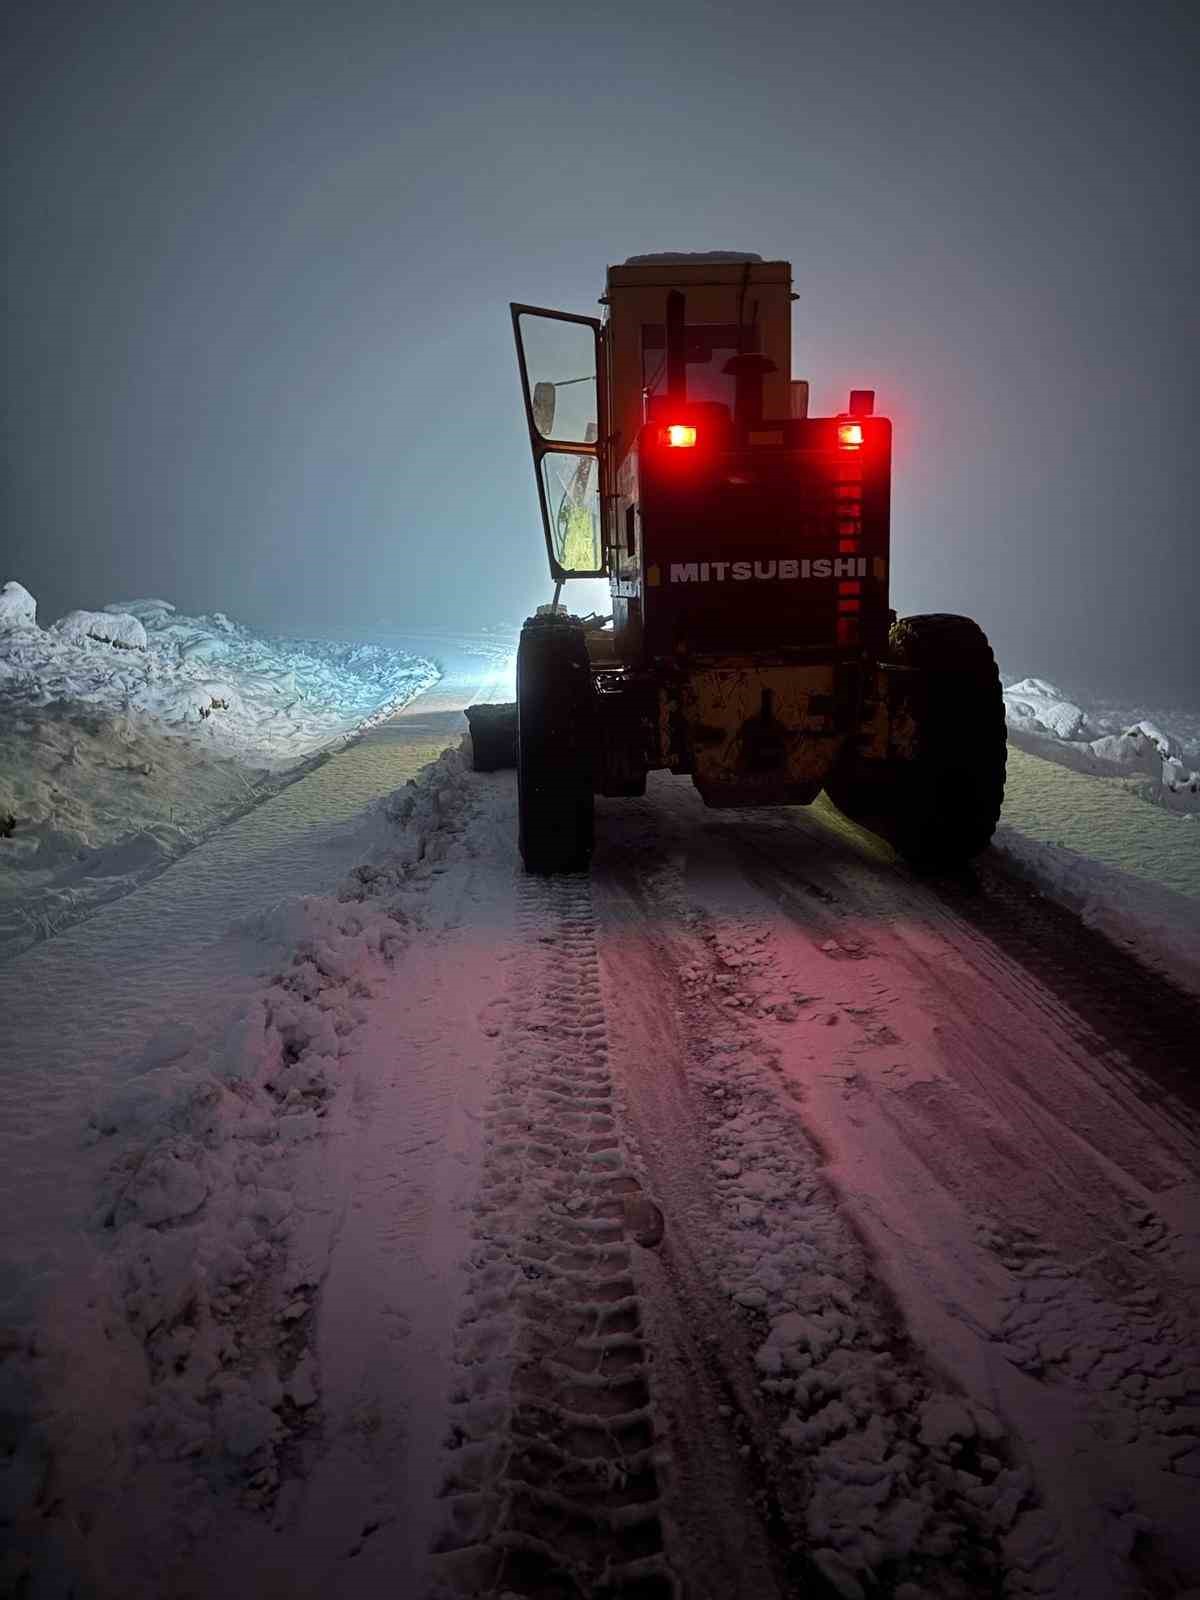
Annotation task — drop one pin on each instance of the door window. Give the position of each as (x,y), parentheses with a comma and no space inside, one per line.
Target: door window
(571,484)
(560,365)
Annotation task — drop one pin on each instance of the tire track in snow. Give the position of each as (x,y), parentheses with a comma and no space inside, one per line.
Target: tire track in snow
(1098,1297)
(1056,1136)
(551,1486)
(1067,1160)
(889,1482)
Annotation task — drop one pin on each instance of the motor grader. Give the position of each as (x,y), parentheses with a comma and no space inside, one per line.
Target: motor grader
(751,644)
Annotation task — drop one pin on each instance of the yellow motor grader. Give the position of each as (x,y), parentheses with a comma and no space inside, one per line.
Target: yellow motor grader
(751,645)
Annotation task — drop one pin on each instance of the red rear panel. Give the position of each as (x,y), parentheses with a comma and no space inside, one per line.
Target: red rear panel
(774,538)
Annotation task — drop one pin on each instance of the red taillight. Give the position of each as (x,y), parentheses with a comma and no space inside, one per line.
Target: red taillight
(850,435)
(677,436)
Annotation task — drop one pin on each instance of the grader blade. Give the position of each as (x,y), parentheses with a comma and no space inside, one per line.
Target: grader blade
(493,736)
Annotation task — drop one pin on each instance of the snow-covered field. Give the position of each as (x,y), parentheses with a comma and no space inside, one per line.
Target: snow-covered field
(289,1200)
(127,734)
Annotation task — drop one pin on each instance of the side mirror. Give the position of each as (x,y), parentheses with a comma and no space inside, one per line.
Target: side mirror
(543,408)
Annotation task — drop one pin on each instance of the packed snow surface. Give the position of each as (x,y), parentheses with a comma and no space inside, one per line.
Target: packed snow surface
(395,1177)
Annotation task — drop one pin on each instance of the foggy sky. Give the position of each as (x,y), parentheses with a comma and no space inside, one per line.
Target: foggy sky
(258,353)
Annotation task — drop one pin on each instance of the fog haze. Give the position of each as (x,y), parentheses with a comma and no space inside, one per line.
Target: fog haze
(259,356)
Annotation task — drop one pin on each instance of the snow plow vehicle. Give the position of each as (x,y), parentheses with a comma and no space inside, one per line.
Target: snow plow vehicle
(746,544)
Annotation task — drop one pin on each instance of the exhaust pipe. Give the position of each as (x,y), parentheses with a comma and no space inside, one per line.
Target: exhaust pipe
(676,348)
(749,367)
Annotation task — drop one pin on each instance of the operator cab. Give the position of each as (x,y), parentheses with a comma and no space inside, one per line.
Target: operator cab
(675,456)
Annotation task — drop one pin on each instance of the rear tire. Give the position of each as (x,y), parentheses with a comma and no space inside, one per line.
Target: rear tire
(948,798)
(555,734)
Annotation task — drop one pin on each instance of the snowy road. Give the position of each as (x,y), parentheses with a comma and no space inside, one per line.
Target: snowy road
(751,1220)
(933,1151)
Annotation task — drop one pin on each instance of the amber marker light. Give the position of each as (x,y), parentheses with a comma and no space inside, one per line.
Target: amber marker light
(850,435)
(678,436)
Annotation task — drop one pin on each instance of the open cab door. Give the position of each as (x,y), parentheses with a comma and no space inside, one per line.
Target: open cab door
(562,376)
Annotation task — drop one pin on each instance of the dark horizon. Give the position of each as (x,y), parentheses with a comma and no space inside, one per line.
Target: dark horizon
(260,258)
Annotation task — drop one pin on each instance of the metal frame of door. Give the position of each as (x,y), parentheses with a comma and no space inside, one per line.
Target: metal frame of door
(541,446)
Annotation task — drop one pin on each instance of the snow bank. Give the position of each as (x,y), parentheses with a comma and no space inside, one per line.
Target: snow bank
(1103,741)
(204,1282)
(265,699)
(18,608)
(95,804)
(126,734)
(1160,928)
(1035,706)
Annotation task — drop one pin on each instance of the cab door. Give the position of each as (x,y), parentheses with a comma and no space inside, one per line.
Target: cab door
(561,358)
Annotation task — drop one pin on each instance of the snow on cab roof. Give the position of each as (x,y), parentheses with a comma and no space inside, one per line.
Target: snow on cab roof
(690,255)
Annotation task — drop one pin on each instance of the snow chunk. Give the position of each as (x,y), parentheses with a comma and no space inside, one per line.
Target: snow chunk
(944,1419)
(18,608)
(1035,706)
(753,1298)
(1131,750)
(839,1573)
(301,1388)
(246,1424)
(169,1184)
(210,649)
(795,1336)
(107,627)
(149,611)
(1034,1537)
(60,844)
(1167,746)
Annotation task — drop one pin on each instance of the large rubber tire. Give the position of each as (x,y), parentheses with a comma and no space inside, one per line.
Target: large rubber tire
(948,799)
(556,723)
